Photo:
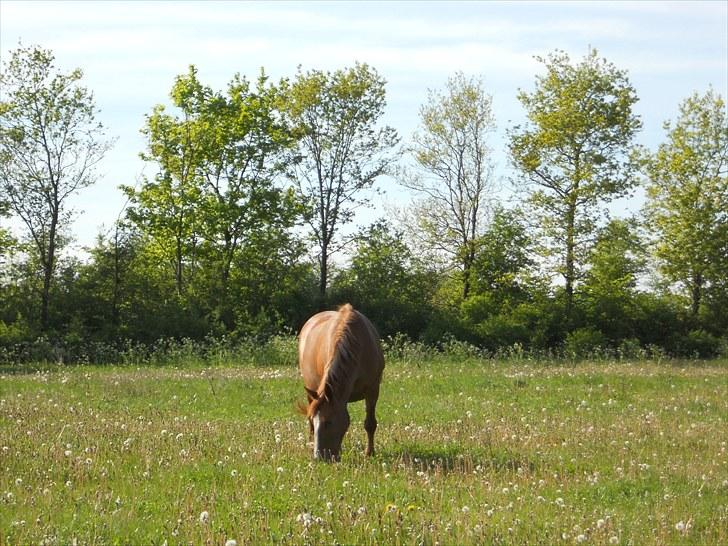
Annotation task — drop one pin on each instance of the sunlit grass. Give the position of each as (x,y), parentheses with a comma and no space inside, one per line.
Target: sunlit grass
(468,452)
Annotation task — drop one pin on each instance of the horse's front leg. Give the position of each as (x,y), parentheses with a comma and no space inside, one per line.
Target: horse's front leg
(370,422)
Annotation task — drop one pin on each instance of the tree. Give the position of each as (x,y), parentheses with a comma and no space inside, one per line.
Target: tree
(50,142)
(341,149)
(616,261)
(453,169)
(502,256)
(215,190)
(688,197)
(386,282)
(165,208)
(574,154)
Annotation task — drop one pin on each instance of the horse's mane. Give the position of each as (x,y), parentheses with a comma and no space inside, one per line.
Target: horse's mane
(337,372)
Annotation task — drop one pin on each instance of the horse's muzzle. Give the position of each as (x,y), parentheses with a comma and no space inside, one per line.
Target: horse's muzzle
(327,455)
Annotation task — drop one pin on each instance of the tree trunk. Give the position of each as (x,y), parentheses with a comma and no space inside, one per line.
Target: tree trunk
(468,268)
(178,267)
(48,266)
(117,283)
(569,273)
(696,293)
(324,275)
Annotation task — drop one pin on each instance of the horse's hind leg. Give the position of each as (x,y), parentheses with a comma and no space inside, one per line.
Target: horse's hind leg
(370,422)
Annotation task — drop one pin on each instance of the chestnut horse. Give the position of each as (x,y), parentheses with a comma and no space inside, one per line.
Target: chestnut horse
(341,361)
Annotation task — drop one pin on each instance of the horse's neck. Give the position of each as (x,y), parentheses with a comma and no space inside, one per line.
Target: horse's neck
(340,376)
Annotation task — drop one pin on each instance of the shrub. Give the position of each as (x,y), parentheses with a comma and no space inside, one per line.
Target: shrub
(583,342)
(697,344)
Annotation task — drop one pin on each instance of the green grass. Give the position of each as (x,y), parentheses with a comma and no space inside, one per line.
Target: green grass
(469,452)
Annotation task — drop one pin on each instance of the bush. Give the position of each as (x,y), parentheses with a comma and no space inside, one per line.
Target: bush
(697,344)
(583,342)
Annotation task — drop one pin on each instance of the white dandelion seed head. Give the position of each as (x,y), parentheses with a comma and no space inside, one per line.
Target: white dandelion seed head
(613,540)
(204,516)
(231,542)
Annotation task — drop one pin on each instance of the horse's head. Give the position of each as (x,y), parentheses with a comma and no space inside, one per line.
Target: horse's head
(330,421)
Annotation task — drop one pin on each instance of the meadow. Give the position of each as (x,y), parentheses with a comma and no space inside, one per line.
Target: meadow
(469,451)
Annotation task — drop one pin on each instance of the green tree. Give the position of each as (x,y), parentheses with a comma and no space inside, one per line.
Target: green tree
(342,150)
(688,197)
(50,142)
(574,154)
(610,285)
(215,191)
(387,282)
(502,256)
(166,207)
(453,170)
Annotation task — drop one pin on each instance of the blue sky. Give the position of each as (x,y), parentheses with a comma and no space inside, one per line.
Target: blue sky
(131,52)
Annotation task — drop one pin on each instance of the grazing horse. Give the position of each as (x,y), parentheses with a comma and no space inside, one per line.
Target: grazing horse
(341,361)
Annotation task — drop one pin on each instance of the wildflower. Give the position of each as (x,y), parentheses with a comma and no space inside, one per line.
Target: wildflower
(306,519)
(600,523)
(279,469)
(580,538)
(68,453)
(465,509)
(613,540)
(231,542)
(680,526)
(204,517)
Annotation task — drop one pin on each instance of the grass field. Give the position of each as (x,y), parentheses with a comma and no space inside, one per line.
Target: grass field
(469,452)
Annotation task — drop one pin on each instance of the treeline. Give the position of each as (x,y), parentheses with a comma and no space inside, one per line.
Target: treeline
(234,238)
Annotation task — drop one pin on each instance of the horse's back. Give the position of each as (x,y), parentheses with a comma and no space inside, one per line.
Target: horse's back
(312,346)
(317,344)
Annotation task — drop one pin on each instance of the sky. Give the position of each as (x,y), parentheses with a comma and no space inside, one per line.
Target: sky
(130,53)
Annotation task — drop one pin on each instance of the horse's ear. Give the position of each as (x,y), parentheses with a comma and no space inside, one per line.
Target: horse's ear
(313,395)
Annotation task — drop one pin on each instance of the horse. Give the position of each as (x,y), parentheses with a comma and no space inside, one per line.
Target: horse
(340,358)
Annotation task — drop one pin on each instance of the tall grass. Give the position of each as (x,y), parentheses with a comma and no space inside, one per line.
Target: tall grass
(469,451)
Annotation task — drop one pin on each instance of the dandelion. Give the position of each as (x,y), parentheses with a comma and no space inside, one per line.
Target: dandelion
(231,542)
(204,517)
(233,473)
(68,453)
(600,523)
(580,538)
(613,540)
(18,481)
(279,469)
(680,526)
(465,509)
(306,519)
